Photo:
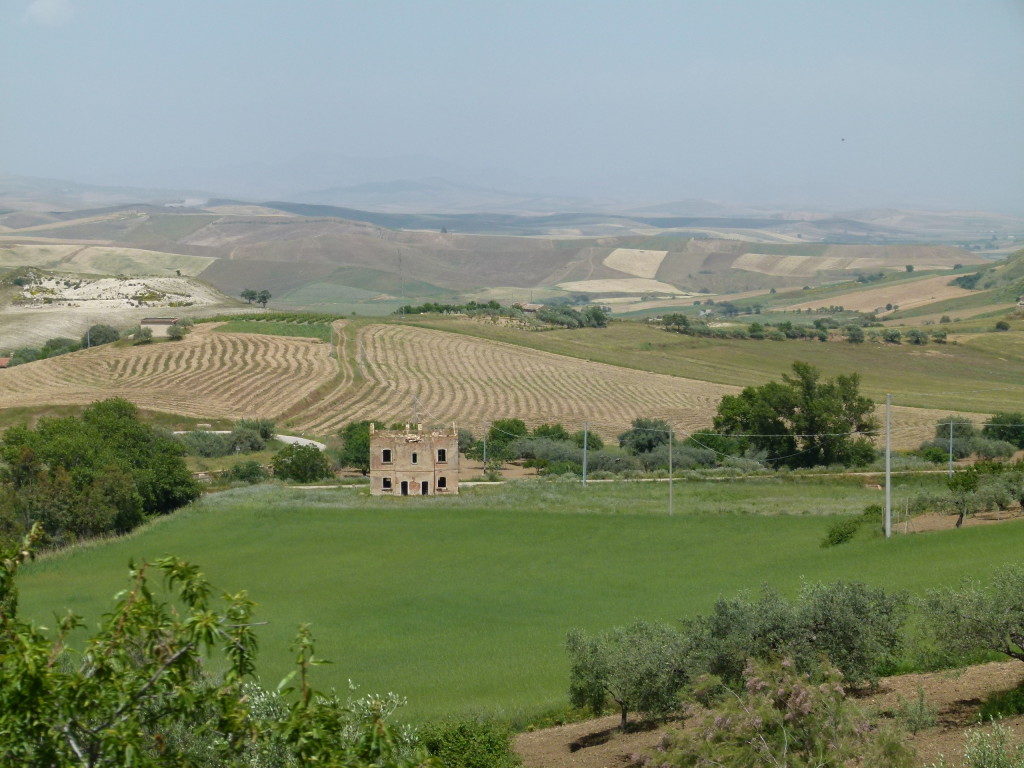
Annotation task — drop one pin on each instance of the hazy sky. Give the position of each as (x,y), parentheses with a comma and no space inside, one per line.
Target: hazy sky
(855,103)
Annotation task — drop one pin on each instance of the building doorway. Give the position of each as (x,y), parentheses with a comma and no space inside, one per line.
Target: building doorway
(424,488)
(405,488)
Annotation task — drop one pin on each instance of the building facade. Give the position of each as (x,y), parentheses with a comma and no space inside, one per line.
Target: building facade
(414,462)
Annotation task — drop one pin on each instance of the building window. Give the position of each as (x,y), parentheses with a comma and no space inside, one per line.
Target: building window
(442,483)
(385,483)
(442,455)
(385,455)
(414,458)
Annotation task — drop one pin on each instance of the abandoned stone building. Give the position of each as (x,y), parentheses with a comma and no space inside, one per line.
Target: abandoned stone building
(414,462)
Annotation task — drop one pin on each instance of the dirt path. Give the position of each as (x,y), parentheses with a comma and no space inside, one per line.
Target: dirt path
(956,695)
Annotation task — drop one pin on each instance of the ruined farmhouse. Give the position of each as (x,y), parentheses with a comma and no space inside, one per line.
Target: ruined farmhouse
(414,462)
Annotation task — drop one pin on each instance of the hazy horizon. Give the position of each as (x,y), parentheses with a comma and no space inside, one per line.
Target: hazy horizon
(789,104)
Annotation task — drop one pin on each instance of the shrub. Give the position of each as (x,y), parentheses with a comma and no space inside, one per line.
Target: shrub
(244,440)
(842,530)
(263,427)
(301,463)
(990,749)
(248,472)
(783,718)
(1002,325)
(470,743)
(892,336)
(206,444)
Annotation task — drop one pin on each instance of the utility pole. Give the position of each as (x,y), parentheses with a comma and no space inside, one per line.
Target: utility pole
(586,429)
(485,446)
(888,466)
(670,438)
(951,447)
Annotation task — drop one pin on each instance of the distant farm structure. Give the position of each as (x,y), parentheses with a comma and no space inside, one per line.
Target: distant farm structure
(414,462)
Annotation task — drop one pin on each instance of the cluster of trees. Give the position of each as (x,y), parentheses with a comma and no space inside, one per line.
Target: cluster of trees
(78,477)
(61,345)
(957,436)
(260,297)
(247,436)
(772,674)
(558,313)
(779,331)
(473,308)
(802,421)
(591,317)
(644,667)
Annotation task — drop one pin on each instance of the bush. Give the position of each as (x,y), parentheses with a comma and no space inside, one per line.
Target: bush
(248,472)
(1006,426)
(206,444)
(470,743)
(842,530)
(265,428)
(990,749)
(1002,325)
(245,440)
(302,463)
(782,718)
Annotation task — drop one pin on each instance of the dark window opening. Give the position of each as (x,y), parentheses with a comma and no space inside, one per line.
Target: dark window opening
(405,488)
(386,456)
(414,458)
(442,482)
(442,455)
(424,488)
(386,483)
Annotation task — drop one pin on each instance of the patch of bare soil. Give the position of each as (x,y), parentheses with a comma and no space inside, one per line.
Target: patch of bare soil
(956,695)
(939,521)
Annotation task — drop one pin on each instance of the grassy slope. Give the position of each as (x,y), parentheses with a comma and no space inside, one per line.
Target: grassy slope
(987,380)
(463,604)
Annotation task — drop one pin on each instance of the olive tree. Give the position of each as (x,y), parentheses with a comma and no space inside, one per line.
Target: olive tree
(640,668)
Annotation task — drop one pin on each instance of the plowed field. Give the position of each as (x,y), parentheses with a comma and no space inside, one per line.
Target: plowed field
(386,372)
(230,375)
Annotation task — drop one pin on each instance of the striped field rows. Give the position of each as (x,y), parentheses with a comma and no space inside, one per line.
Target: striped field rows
(208,375)
(390,373)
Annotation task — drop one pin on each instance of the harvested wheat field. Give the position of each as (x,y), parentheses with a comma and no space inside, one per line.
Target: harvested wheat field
(473,381)
(386,372)
(229,375)
(634,261)
(906,295)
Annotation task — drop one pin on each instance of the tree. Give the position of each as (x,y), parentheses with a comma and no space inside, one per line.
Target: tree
(974,616)
(917,337)
(594,441)
(962,485)
(142,335)
(250,295)
(503,432)
(263,297)
(854,334)
(102,472)
(644,435)
(551,432)
(639,667)
(301,463)
(1006,426)
(355,448)
(802,421)
(892,336)
(99,334)
(139,694)
(176,332)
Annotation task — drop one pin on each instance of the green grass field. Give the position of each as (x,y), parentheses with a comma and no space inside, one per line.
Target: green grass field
(462,604)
